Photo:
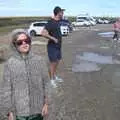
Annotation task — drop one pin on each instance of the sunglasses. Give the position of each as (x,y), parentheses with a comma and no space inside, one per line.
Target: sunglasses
(20,42)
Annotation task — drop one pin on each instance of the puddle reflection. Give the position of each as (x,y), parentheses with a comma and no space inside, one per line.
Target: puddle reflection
(88,62)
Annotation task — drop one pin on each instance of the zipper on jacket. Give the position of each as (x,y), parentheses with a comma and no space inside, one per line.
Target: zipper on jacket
(28,79)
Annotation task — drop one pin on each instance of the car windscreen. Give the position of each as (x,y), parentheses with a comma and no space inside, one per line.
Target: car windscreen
(85,18)
(81,20)
(39,24)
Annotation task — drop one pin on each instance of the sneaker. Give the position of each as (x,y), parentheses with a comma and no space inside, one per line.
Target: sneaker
(53,83)
(115,39)
(58,79)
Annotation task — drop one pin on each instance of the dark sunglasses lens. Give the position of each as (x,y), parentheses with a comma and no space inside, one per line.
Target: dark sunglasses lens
(20,42)
(28,41)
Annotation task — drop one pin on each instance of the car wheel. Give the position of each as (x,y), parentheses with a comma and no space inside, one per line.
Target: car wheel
(33,33)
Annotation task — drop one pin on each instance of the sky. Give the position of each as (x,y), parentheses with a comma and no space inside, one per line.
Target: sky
(73,7)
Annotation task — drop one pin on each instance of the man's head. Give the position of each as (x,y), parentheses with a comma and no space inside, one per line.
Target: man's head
(58,12)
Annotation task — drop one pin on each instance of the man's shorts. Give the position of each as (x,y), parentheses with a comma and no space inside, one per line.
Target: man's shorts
(54,53)
(31,117)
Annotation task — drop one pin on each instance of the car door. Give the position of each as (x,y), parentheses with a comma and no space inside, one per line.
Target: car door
(39,27)
(81,22)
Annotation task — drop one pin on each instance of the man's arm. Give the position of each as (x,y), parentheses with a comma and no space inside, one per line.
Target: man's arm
(45,34)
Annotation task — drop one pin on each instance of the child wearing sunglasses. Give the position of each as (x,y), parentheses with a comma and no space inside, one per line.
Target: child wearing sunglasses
(25,86)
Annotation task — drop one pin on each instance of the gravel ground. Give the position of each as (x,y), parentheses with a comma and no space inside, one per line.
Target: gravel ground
(92,95)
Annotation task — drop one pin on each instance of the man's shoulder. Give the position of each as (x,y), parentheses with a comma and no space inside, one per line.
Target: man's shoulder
(49,23)
(50,20)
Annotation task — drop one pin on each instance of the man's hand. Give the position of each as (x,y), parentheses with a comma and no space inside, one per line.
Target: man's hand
(55,40)
(45,34)
(45,110)
(10,116)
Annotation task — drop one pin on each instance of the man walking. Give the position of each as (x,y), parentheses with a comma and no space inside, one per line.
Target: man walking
(53,33)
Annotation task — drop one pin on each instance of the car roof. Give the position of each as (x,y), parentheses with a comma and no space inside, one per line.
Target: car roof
(39,22)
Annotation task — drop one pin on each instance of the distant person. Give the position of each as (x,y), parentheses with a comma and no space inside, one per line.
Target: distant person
(53,33)
(25,85)
(116,27)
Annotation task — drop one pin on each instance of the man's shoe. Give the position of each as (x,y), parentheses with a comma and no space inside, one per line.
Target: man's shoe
(53,83)
(58,79)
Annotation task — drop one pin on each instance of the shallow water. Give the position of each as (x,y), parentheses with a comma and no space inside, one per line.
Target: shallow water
(106,34)
(88,61)
(85,66)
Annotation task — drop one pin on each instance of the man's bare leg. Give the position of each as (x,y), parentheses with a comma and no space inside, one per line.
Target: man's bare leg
(55,74)
(57,63)
(52,71)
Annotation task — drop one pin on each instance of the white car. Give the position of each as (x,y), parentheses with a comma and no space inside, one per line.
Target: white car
(106,21)
(81,23)
(100,21)
(92,21)
(103,21)
(37,27)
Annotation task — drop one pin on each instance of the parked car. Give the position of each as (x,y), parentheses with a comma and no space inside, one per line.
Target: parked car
(100,21)
(81,22)
(37,27)
(86,17)
(103,21)
(112,21)
(92,21)
(106,21)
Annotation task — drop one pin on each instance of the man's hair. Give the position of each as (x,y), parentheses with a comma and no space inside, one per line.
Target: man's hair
(57,9)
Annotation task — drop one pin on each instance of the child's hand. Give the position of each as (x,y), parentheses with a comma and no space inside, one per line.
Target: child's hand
(10,116)
(45,110)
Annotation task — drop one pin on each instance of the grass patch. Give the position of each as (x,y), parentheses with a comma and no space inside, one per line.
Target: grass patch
(7,29)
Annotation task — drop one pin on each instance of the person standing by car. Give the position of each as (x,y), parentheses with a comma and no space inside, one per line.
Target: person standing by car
(116,27)
(53,33)
(25,81)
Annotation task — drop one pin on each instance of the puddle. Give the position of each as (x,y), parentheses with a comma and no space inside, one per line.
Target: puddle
(88,62)
(105,47)
(96,58)
(106,34)
(85,66)
(95,29)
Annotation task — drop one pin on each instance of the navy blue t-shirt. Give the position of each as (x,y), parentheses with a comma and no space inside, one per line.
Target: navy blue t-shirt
(53,28)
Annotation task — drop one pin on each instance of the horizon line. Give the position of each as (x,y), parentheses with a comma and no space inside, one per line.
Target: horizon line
(51,16)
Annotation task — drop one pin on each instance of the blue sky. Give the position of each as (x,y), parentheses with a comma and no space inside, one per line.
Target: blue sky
(73,7)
